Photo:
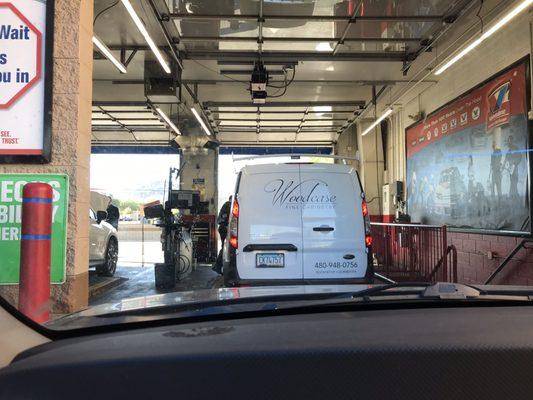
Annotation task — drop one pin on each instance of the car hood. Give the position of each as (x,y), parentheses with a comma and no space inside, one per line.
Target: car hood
(207,302)
(87,317)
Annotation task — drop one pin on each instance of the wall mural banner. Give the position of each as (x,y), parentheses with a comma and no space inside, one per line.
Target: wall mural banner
(468,163)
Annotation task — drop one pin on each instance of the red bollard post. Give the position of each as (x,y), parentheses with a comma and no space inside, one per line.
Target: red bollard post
(35,251)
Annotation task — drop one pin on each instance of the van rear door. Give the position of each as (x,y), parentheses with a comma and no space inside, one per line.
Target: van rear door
(270,226)
(332,224)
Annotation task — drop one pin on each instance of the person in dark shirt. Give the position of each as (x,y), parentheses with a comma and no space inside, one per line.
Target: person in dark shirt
(512,159)
(113,215)
(496,172)
(222,221)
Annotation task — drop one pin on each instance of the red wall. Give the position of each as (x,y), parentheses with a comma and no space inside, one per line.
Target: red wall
(474,266)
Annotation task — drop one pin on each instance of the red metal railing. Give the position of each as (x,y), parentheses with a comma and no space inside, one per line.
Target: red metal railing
(411,252)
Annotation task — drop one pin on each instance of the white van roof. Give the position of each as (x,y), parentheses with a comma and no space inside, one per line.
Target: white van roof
(307,167)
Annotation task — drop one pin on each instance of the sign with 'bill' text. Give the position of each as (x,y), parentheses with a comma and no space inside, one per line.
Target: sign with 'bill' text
(25,93)
(10,224)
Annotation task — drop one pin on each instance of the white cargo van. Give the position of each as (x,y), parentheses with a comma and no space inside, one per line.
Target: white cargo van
(298,222)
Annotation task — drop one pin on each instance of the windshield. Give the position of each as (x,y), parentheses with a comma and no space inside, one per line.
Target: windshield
(175,157)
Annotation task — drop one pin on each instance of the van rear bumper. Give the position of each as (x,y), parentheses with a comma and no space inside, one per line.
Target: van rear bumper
(232,278)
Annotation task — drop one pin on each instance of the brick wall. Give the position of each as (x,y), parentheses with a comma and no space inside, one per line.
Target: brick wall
(474,265)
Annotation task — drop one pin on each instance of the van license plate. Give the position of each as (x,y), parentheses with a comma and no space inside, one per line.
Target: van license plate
(270,260)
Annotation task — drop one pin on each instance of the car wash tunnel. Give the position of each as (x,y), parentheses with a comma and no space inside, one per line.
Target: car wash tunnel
(197,145)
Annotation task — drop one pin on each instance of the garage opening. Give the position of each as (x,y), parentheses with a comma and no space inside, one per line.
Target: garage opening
(305,80)
(361,142)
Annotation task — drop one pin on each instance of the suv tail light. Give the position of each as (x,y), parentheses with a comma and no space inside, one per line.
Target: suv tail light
(366,218)
(234,225)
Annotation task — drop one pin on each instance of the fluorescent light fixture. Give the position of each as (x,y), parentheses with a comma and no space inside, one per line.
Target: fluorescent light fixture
(107,53)
(377,121)
(201,121)
(146,35)
(322,109)
(168,121)
(324,46)
(501,22)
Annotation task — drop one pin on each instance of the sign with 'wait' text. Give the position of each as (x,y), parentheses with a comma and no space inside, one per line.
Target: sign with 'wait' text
(10,224)
(24,109)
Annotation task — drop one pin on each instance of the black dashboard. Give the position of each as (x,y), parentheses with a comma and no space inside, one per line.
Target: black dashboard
(430,353)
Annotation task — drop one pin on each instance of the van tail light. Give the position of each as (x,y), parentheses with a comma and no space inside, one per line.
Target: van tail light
(234,225)
(366,218)
(235,209)
(364,206)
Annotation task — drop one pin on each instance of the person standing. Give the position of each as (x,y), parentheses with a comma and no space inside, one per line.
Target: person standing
(113,214)
(496,172)
(222,221)
(512,160)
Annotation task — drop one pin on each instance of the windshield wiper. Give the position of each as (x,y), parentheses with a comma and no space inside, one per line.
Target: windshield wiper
(392,288)
(427,290)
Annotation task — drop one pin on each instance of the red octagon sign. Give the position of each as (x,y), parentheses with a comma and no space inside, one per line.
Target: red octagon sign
(21,44)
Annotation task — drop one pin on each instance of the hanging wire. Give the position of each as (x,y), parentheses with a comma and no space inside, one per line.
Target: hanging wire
(104,10)
(478,14)
(287,84)
(220,73)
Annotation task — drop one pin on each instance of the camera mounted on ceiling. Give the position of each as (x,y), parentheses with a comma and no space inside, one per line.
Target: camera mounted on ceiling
(258,83)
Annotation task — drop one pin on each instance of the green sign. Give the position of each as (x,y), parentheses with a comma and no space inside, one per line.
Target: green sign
(10,224)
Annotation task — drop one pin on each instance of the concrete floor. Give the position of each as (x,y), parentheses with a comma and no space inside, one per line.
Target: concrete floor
(140,282)
(135,275)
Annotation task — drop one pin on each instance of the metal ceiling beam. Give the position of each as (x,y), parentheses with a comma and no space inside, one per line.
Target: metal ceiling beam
(459,9)
(255,39)
(120,104)
(280,128)
(144,143)
(277,112)
(203,114)
(121,125)
(275,127)
(298,130)
(291,132)
(375,97)
(389,56)
(266,63)
(246,143)
(129,128)
(358,103)
(311,18)
(166,34)
(260,21)
(272,120)
(347,28)
(127,119)
(295,82)
(249,73)
(290,57)
(150,112)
